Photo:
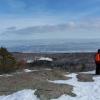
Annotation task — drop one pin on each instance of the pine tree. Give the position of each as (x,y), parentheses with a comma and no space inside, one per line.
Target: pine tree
(7,61)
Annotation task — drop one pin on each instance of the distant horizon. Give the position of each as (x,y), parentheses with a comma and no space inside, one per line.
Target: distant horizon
(53,46)
(51,39)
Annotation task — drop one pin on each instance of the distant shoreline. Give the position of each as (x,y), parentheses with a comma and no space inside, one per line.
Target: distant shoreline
(90,52)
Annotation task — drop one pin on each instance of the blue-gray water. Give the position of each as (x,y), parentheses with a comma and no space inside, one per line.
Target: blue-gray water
(49,46)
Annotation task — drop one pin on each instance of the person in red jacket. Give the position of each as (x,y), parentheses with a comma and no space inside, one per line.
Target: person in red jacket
(97,61)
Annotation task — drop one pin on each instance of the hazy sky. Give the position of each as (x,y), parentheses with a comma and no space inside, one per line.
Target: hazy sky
(35,19)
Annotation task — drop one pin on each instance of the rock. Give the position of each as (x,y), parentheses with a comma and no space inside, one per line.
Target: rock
(85,77)
(51,91)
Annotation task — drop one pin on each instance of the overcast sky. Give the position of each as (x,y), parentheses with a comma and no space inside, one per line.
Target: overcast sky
(43,19)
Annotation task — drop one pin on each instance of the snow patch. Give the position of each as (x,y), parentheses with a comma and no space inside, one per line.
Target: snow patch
(48,69)
(89,72)
(45,58)
(30,61)
(21,95)
(27,70)
(6,75)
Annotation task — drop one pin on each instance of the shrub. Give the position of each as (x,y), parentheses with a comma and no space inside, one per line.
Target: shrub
(21,64)
(7,61)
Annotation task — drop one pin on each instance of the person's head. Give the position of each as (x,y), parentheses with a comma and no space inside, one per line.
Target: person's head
(98,50)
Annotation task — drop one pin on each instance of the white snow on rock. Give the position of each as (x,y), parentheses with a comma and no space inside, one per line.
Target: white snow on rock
(30,61)
(28,70)
(89,72)
(21,95)
(83,90)
(48,69)
(45,58)
(6,75)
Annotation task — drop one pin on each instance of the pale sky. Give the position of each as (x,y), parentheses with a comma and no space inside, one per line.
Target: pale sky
(43,19)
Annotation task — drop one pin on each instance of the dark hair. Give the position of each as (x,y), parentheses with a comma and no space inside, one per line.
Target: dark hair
(98,50)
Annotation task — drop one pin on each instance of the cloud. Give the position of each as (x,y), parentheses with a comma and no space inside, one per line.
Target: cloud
(70,26)
(11,28)
(90,24)
(41,29)
(71,29)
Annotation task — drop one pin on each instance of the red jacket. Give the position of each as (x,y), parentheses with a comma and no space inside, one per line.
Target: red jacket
(97,58)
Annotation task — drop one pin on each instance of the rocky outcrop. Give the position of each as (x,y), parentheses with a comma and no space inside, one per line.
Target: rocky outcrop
(85,77)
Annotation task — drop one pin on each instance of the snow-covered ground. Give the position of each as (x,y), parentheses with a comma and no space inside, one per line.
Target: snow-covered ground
(83,90)
(21,95)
